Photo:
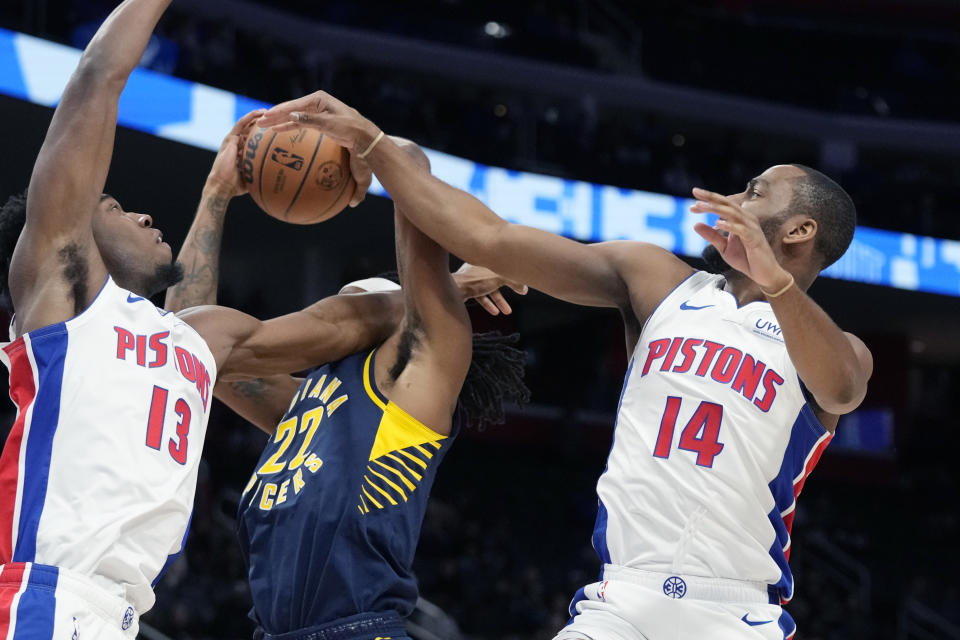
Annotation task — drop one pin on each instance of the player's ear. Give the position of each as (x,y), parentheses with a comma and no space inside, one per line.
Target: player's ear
(799,230)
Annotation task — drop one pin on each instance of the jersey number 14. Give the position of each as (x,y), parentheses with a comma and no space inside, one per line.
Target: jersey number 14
(701,435)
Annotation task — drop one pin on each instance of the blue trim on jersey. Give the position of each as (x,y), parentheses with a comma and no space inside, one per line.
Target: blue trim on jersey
(804,435)
(600,525)
(173,557)
(38,604)
(49,347)
(786,624)
(578,597)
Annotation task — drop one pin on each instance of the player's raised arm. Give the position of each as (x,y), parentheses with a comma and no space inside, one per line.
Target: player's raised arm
(432,347)
(56,269)
(834,366)
(260,401)
(200,253)
(594,275)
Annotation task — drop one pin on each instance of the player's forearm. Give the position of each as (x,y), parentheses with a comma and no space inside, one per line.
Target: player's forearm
(200,254)
(261,401)
(454,219)
(823,355)
(118,44)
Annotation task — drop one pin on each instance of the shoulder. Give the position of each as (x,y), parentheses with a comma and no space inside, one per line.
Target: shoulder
(649,272)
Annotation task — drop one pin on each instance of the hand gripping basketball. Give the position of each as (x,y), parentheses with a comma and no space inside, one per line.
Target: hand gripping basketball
(341,123)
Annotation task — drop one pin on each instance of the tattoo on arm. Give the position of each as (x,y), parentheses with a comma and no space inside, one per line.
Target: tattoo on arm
(200,257)
(251,389)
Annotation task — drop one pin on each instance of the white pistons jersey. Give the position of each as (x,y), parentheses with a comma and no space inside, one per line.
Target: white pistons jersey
(99,471)
(713,442)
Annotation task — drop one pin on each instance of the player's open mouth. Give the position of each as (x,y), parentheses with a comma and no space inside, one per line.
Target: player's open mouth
(159,236)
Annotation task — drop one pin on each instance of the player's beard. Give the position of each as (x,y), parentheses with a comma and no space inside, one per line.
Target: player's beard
(715,262)
(164,276)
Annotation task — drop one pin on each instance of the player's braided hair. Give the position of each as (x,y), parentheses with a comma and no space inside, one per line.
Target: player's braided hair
(494,378)
(13,216)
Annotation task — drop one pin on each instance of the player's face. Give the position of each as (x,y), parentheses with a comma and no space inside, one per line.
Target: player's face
(768,195)
(132,250)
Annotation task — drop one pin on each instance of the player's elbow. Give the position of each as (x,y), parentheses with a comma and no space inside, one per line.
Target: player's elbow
(489,245)
(99,71)
(845,395)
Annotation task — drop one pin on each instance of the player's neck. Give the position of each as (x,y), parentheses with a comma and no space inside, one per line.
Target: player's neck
(746,290)
(742,288)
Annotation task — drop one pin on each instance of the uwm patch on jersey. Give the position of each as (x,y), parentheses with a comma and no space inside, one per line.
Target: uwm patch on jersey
(714,440)
(116,401)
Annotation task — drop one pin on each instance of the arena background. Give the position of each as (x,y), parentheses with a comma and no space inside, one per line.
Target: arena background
(658,96)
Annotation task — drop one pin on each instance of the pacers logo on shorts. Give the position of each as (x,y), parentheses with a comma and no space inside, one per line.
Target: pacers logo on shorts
(675,587)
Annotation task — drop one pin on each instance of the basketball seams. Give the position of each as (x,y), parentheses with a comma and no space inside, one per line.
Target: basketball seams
(263,162)
(306,174)
(322,182)
(348,180)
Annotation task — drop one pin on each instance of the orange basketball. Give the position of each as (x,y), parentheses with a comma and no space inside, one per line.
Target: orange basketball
(298,176)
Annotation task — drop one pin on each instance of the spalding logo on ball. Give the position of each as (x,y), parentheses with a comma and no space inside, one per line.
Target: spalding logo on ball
(298,176)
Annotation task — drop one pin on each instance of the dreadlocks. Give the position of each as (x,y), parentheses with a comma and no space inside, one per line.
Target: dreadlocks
(495,376)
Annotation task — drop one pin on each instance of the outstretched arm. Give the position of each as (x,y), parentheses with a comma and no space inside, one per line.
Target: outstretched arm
(261,401)
(631,276)
(56,268)
(200,253)
(432,348)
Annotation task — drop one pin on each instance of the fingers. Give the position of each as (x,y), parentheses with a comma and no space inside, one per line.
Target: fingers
(711,235)
(311,105)
(488,305)
(363,175)
(278,114)
(521,289)
(500,302)
(724,207)
(247,121)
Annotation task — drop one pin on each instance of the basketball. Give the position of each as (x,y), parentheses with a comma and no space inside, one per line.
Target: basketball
(300,177)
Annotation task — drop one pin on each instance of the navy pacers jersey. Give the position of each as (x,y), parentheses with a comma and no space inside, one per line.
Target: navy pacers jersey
(329,521)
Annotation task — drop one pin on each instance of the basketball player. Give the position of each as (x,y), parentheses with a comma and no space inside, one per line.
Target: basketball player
(735,385)
(330,519)
(113,394)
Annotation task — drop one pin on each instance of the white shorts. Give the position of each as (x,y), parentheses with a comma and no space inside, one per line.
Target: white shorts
(40,602)
(630,604)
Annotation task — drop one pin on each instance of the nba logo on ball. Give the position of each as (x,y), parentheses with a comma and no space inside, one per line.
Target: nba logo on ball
(300,178)
(127,619)
(675,587)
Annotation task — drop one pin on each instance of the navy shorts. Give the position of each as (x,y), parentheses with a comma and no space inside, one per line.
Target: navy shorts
(365,626)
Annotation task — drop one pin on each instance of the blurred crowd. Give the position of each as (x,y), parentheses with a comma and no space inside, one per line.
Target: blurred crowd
(878,63)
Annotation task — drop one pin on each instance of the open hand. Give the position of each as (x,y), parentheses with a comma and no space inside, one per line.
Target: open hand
(483,285)
(339,122)
(740,240)
(225,172)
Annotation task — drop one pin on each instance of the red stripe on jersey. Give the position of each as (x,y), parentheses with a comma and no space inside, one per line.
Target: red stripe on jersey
(11,579)
(22,392)
(799,482)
